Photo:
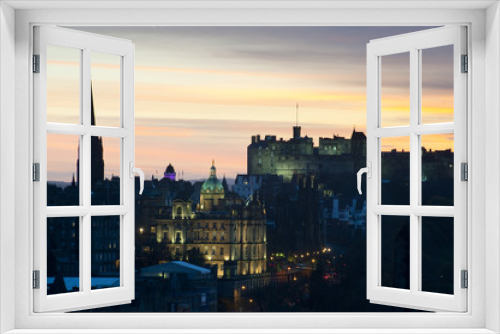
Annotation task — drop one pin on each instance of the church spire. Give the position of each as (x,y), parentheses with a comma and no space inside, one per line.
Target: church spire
(96,149)
(224,184)
(92,117)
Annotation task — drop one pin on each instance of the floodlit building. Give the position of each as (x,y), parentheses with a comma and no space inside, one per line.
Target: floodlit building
(222,230)
(299,156)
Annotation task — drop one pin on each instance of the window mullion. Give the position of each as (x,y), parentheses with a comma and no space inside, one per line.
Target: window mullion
(85,154)
(373,187)
(85,169)
(86,184)
(414,169)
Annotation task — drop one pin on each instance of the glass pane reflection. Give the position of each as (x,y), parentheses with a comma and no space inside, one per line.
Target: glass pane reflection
(437,169)
(395,239)
(63,170)
(395,90)
(63,261)
(395,157)
(437,84)
(105,256)
(437,254)
(63,84)
(105,170)
(106,75)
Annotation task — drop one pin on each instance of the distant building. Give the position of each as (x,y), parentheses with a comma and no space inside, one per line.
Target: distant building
(226,231)
(246,185)
(298,224)
(298,155)
(167,287)
(176,286)
(169,173)
(105,246)
(351,210)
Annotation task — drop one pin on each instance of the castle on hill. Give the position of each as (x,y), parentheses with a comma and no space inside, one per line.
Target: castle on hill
(299,156)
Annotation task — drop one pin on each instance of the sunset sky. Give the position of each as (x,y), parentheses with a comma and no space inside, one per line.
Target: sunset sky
(202,92)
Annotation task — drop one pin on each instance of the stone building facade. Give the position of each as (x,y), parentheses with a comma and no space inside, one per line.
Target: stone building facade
(299,156)
(226,230)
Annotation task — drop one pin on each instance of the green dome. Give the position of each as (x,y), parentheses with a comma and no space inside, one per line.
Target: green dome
(212,184)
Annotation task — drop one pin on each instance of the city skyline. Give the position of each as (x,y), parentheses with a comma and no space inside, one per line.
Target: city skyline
(201,92)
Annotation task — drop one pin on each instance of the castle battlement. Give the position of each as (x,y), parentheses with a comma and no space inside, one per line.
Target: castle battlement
(298,155)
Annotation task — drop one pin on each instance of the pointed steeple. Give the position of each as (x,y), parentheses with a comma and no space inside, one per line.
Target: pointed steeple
(97,149)
(73,183)
(92,117)
(224,184)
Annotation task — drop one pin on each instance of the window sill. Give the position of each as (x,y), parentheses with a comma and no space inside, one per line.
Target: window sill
(251,331)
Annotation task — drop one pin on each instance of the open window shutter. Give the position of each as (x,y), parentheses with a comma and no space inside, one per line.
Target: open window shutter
(67,280)
(408,255)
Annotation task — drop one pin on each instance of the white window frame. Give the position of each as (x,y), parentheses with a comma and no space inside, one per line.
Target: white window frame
(483,20)
(413,44)
(86,43)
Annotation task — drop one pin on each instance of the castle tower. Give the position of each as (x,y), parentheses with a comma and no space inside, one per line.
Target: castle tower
(296,128)
(296,132)
(358,149)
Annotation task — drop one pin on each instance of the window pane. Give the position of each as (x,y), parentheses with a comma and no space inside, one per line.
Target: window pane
(395,90)
(63,261)
(106,74)
(437,84)
(62,170)
(437,254)
(437,169)
(395,159)
(63,84)
(395,251)
(105,256)
(105,170)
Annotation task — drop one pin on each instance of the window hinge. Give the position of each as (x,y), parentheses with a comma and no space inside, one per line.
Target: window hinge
(36,172)
(465,64)
(464,171)
(465,279)
(36,63)
(36,279)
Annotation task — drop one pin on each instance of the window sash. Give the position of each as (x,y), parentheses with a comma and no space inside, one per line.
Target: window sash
(86,297)
(414,297)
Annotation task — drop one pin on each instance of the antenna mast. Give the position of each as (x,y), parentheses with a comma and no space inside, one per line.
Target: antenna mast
(297,114)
